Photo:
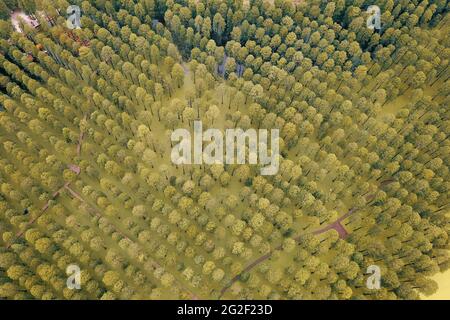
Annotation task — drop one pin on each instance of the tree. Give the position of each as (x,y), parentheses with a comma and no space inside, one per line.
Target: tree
(16,272)
(7,259)
(178,74)
(230,66)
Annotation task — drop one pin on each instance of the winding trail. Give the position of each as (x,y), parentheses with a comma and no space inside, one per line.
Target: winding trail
(44,208)
(75,168)
(66,187)
(336,225)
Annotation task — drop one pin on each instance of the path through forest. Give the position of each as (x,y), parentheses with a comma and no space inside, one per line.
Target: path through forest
(98,213)
(337,225)
(66,187)
(75,168)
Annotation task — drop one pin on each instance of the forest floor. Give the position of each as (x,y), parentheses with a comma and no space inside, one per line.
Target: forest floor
(443,293)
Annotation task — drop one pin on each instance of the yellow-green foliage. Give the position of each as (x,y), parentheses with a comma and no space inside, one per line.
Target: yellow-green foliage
(86,177)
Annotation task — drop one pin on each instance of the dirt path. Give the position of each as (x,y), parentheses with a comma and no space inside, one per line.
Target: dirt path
(44,208)
(337,225)
(97,213)
(75,168)
(66,187)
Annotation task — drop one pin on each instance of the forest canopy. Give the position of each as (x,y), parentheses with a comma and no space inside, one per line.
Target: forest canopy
(86,177)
